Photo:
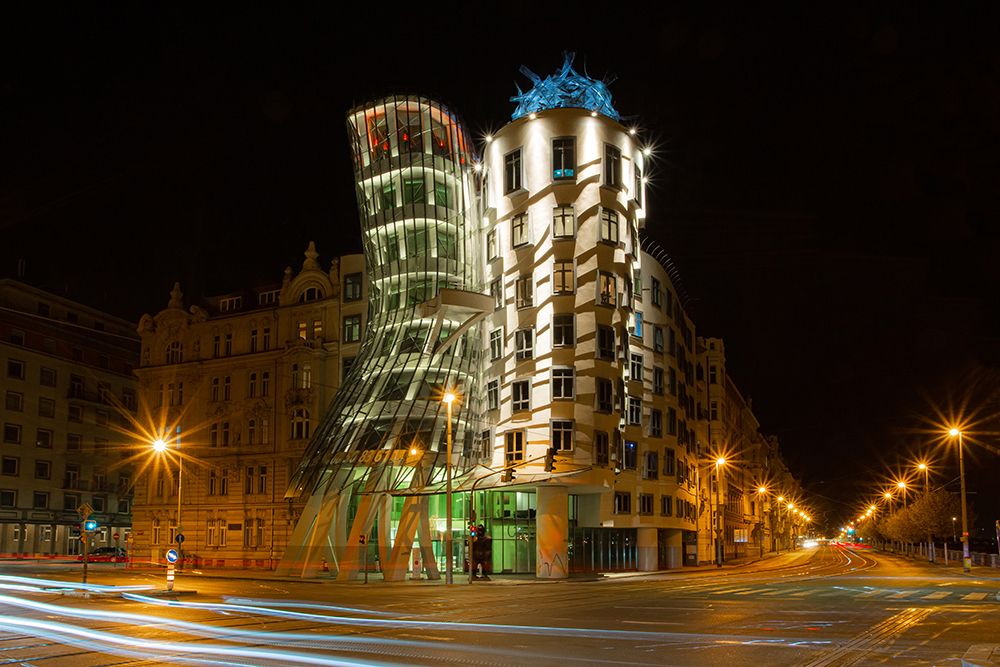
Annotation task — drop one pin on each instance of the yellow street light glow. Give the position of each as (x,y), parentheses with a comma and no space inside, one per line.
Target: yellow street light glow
(954,432)
(532,116)
(762,490)
(448,398)
(720,461)
(872,508)
(781,499)
(888,495)
(489,138)
(631,131)
(413,451)
(791,506)
(647,151)
(594,114)
(159,445)
(922,466)
(902,485)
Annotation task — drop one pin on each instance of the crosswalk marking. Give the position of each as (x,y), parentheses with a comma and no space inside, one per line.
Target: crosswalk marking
(729,590)
(756,591)
(938,595)
(900,595)
(802,593)
(869,594)
(778,592)
(975,596)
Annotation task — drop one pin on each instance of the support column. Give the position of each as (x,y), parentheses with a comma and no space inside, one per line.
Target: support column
(646,539)
(675,549)
(552,532)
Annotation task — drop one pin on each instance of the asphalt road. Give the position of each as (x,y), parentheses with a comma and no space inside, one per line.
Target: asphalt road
(826,607)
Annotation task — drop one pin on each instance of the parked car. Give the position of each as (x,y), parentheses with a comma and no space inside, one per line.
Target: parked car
(106,555)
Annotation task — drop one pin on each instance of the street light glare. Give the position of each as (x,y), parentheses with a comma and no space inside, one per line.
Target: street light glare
(954,432)
(902,485)
(159,445)
(448,398)
(720,461)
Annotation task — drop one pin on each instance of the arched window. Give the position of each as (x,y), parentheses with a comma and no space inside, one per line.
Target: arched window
(175,353)
(300,424)
(310,294)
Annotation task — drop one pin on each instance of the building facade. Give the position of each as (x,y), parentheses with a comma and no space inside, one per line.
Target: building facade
(235,390)
(70,404)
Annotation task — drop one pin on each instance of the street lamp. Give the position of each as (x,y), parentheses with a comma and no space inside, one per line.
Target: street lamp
(967,561)
(719,462)
(760,500)
(160,446)
(902,485)
(448,399)
(923,467)
(781,499)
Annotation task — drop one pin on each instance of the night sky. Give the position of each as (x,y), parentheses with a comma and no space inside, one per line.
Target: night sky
(826,181)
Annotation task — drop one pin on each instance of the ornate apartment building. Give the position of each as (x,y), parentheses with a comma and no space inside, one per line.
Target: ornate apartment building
(69,406)
(234,389)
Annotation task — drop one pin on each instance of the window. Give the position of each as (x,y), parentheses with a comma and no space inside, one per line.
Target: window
(601,448)
(252,385)
(605,395)
(671,421)
(265,380)
(605,342)
(215,389)
(658,340)
(213,435)
(43,469)
(231,303)
(317,328)
(17,337)
(47,377)
(563,383)
(563,222)
(563,330)
(612,166)
(8,499)
(635,368)
(305,374)
(623,502)
(447,247)
(658,381)
(496,344)
(520,232)
(606,290)
(564,158)
(515,446)
(493,394)
(512,172)
(262,479)
(348,363)
(100,446)
(562,435)
(609,226)
(253,340)
(175,353)
(97,502)
(713,410)
(650,465)
(10,466)
(12,434)
(352,287)
(496,291)
(15,369)
(227,388)
(672,381)
(645,503)
(43,438)
(128,399)
(225,434)
(713,375)
(656,423)
(638,186)
(630,455)
(492,246)
(637,329)
(78,354)
(265,342)
(15,401)
(666,505)
(634,411)
(216,346)
(249,480)
(310,294)
(524,291)
(155,532)
(655,292)
(352,328)
(74,442)
(563,276)
(40,501)
(520,395)
(252,432)
(300,424)
(524,344)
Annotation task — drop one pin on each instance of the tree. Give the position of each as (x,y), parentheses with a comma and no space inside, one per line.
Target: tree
(932,513)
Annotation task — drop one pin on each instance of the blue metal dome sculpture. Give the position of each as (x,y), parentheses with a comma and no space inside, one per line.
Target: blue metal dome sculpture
(565,88)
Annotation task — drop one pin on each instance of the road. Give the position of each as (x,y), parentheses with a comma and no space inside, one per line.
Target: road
(825,607)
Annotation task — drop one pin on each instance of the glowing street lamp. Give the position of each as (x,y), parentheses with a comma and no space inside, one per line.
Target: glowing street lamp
(902,486)
(719,462)
(966,560)
(924,469)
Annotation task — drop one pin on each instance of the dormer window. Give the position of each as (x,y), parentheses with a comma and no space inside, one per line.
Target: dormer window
(310,294)
(175,353)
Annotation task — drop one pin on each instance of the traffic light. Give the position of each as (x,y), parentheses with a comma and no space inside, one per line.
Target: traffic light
(550,459)
(480,531)
(90,525)
(74,531)
(508,475)
(472,530)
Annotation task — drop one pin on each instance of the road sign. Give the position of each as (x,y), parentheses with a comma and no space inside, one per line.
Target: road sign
(180,538)
(85,510)
(172,556)
(114,536)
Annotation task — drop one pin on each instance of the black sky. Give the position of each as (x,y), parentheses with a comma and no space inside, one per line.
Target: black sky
(827,180)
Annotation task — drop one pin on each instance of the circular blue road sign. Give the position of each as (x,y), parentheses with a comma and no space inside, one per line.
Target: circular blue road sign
(172,556)
(180,538)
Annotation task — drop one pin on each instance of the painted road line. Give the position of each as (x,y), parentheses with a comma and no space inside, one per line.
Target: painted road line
(729,590)
(938,595)
(777,592)
(975,596)
(802,593)
(869,594)
(900,595)
(756,591)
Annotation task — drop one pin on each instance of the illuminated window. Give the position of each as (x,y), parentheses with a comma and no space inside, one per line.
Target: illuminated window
(352,328)
(563,276)
(564,158)
(352,287)
(563,222)
(512,172)
(514,450)
(630,455)
(606,295)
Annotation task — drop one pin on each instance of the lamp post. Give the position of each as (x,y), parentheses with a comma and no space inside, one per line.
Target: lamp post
(966,560)
(902,485)
(448,399)
(718,512)
(161,446)
(923,467)
(760,496)
(791,527)
(777,542)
